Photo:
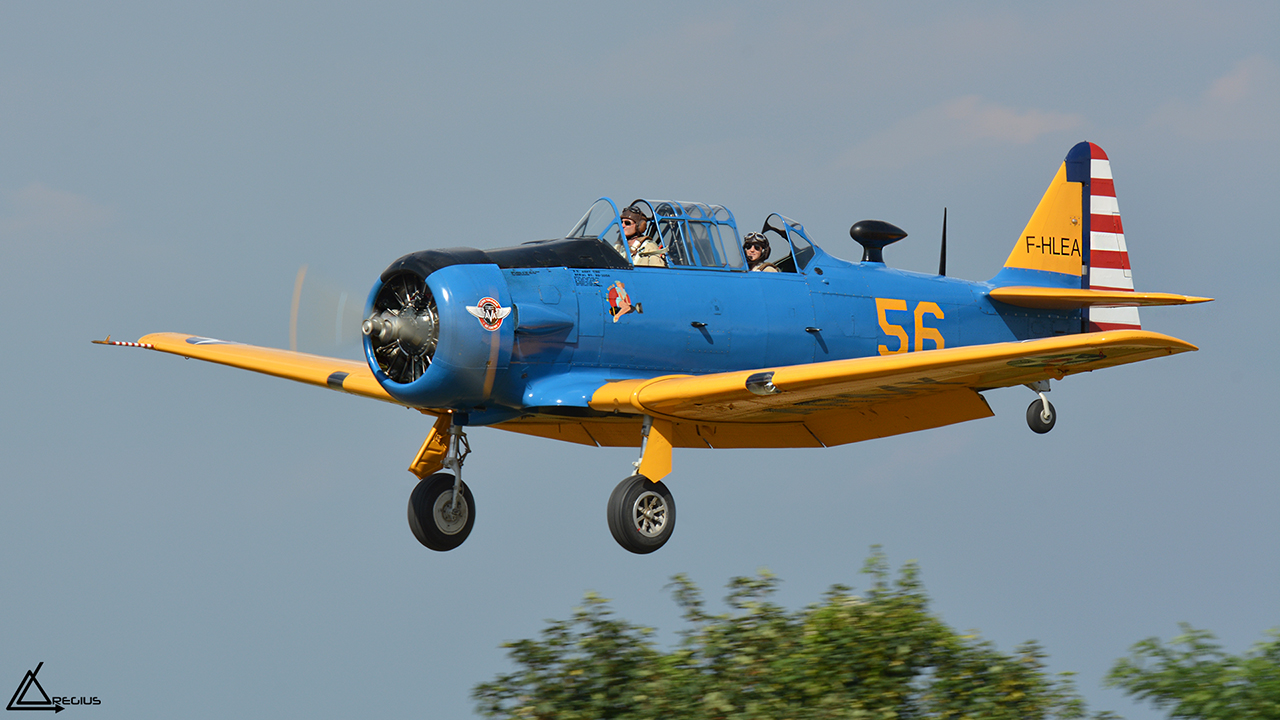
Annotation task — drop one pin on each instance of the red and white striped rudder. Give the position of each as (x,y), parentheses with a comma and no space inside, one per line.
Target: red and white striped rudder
(1107,265)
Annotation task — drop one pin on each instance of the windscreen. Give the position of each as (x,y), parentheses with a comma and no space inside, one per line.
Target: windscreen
(601,221)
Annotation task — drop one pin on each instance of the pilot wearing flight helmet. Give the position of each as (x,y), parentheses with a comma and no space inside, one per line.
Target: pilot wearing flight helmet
(756,246)
(645,251)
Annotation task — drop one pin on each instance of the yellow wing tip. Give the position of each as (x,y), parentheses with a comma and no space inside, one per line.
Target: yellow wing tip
(1149,338)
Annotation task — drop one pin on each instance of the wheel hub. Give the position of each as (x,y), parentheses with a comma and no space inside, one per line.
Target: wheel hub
(450,516)
(649,513)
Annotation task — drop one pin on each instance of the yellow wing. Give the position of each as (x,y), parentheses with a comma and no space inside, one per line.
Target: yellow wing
(345,375)
(811,405)
(842,401)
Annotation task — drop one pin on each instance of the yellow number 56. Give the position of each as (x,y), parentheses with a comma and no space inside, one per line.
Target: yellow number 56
(922,333)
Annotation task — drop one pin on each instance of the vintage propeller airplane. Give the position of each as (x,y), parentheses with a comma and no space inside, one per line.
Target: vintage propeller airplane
(661,336)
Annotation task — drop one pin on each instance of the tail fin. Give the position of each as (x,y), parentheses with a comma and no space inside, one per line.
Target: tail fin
(1066,246)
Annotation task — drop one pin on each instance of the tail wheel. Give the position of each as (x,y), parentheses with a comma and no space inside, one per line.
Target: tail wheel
(641,514)
(435,518)
(1041,416)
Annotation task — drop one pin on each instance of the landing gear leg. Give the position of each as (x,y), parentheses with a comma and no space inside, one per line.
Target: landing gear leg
(642,512)
(441,508)
(1041,416)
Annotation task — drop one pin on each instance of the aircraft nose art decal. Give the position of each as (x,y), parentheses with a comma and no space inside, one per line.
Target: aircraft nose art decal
(490,313)
(620,302)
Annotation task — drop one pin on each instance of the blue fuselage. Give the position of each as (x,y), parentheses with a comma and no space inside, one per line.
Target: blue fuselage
(571,329)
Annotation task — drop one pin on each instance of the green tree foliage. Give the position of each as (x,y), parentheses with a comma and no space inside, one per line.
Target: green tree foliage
(879,655)
(1192,678)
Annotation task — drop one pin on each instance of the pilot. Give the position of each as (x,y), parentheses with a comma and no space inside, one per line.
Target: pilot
(645,251)
(756,246)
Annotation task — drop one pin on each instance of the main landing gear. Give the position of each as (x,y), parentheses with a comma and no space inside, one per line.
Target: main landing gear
(641,512)
(1041,416)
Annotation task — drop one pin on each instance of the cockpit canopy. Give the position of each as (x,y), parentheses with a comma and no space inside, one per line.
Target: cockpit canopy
(696,234)
(693,234)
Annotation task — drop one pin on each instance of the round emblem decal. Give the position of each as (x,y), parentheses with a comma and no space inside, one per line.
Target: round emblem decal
(489,313)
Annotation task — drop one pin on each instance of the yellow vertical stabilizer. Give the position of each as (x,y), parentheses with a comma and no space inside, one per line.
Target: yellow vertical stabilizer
(1053,239)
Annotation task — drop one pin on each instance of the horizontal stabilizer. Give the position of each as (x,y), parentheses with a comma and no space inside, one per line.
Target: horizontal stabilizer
(1050,298)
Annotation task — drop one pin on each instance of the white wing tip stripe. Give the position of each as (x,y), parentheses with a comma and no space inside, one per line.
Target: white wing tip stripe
(122,343)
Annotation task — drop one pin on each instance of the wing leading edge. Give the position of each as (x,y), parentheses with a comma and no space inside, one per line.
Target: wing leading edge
(348,376)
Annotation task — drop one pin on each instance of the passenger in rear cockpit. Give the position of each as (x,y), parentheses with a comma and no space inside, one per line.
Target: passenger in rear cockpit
(645,251)
(756,246)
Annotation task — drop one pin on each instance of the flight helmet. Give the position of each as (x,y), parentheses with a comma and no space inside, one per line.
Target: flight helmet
(759,240)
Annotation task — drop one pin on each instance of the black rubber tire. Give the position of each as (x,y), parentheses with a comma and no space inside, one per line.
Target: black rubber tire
(611,513)
(1037,423)
(427,519)
(635,502)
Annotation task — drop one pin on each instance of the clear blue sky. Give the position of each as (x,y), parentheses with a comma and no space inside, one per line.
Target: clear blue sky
(182,539)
